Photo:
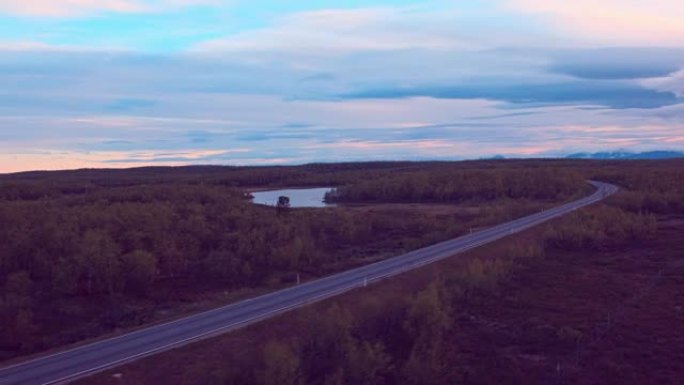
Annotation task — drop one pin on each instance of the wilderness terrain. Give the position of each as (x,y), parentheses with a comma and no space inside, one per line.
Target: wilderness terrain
(571,301)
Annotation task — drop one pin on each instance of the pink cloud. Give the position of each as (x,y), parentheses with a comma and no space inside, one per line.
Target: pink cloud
(61,8)
(62,160)
(630,22)
(76,8)
(429,148)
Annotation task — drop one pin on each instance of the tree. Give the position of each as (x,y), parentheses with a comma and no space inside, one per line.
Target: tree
(17,310)
(65,277)
(416,371)
(366,363)
(99,262)
(324,349)
(139,269)
(428,317)
(427,320)
(280,365)
(283,204)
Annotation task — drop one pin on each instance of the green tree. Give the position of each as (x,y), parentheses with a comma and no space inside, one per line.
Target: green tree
(65,277)
(280,365)
(428,316)
(99,262)
(427,320)
(366,363)
(325,348)
(17,310)
(417,370)
(139,269)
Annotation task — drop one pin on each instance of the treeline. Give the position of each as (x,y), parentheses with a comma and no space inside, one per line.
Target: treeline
(464,185)
(40,183)
(34,185)
(657,189)
(392,340)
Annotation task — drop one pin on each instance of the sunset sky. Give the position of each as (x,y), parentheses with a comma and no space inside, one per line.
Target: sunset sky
(120,83)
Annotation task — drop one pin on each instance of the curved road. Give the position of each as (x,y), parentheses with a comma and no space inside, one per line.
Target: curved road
(88,359)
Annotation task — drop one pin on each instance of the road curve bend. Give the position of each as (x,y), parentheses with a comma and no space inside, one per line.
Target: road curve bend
(84,360)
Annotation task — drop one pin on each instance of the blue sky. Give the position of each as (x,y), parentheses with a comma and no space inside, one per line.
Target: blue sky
(119,83)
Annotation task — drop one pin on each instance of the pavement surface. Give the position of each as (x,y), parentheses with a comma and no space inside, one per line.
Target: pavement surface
(88,359)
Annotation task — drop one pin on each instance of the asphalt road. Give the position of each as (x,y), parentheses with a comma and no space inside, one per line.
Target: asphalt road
(88,359)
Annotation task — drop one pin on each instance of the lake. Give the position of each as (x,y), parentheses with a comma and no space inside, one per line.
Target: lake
(305,197)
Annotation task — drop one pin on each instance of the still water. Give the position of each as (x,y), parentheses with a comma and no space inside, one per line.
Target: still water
(307,197)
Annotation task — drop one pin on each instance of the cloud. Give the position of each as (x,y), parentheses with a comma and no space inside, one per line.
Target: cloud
(616,63)
(240,133)
(36,46)
(342,31)
(61,8)
(125,104)
(79,8)
(411,89)
(60,160)
(176,157)
(617,22)
(673,82)
(613,94)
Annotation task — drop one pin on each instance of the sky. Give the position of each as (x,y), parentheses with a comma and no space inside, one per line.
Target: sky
(124,83)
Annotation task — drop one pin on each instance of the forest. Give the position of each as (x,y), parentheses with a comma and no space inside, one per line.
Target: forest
(400,340)
(389,338)
(458,186)
(89,252)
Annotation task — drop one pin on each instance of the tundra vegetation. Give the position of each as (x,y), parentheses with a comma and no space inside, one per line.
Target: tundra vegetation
(408,340)
(88,252)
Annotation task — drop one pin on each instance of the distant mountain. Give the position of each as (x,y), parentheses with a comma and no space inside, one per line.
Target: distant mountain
(627,155)
(495,157)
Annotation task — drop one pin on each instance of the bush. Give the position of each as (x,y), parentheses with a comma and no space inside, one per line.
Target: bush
(600,228)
